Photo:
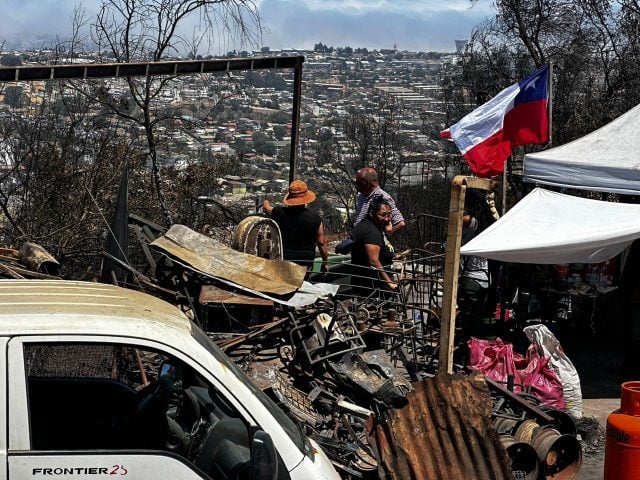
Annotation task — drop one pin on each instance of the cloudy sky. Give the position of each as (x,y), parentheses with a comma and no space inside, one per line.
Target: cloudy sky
(425,25)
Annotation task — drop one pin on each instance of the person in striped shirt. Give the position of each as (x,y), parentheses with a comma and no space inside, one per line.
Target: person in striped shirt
(368,188)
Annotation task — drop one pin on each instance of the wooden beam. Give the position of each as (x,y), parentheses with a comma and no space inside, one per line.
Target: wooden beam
(452,266)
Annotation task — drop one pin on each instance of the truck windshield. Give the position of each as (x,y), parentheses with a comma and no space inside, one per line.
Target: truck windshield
(293,429)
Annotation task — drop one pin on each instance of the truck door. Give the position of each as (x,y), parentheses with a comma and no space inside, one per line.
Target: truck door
(98,407)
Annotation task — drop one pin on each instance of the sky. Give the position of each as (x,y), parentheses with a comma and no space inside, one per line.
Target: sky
(417,25)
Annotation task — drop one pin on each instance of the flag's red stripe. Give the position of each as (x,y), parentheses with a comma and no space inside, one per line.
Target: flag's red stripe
(527,123)
(486,159)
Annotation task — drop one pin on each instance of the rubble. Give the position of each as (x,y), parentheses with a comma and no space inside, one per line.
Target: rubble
(29,261)
(359,371)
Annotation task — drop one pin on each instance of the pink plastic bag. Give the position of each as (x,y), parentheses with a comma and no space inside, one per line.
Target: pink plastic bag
(541,381)
(496,359)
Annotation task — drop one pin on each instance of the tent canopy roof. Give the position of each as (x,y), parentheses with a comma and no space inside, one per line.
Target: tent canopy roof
(606,160)
(548,228)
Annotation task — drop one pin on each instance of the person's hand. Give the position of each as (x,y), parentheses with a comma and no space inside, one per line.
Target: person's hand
(392,285)
(325,267)
(267,207)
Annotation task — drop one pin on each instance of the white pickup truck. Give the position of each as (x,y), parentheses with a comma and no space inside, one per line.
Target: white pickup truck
(104,382)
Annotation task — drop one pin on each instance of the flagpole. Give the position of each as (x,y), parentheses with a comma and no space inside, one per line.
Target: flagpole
(550,103)
(504,186)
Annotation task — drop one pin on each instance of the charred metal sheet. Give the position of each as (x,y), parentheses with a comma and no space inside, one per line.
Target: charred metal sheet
(211,294)
(353,371)
(211,257)
(36,258)
(444,431)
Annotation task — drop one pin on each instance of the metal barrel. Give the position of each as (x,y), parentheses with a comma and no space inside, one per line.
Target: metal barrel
(524,458)
(560,455)
(505,425)
(525,430)
(562,421)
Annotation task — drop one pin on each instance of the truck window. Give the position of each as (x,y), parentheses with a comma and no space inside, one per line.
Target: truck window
(84,396)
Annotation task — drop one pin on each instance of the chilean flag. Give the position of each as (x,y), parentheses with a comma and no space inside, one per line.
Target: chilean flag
(516,116)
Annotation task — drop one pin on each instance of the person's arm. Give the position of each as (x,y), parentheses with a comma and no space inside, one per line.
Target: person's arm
(397,220)
(373,255)
(267,207)
(322,247)
(390,229)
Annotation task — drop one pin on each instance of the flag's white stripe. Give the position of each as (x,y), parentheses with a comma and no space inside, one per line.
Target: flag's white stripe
(484,121)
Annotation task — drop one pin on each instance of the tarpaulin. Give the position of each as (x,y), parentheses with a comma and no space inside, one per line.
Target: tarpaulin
(550,228)
(605,160)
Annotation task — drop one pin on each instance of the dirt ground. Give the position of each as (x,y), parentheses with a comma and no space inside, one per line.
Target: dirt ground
(601,375)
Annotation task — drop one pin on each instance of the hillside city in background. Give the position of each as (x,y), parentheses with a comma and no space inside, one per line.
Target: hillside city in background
(246,116)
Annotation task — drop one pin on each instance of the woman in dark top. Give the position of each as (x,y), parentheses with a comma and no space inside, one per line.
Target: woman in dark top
(370,250)
(300,227)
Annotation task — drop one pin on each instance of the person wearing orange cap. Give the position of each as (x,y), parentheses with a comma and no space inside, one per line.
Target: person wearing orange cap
(301,228)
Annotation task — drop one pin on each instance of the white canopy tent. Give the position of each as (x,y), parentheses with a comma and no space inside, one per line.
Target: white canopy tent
(549,228)
(606,160)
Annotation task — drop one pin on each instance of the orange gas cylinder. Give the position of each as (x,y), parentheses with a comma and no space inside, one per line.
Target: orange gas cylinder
(622,451)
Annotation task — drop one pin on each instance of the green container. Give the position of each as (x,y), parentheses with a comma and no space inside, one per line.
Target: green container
(332,260)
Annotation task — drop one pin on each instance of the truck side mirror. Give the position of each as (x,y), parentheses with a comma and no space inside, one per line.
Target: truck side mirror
(264,461)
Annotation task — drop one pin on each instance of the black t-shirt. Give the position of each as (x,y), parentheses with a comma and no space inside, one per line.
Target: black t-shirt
(299,228)
(366,232)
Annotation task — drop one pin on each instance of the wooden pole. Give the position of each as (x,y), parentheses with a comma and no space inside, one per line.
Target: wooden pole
(452,266)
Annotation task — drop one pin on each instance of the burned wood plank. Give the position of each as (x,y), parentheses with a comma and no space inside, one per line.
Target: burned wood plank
(228,344)
(10,271)
(145,247)
(148,223)
(211,294)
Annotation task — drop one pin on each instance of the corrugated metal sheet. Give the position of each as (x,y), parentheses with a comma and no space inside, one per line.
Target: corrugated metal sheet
(213,258)
(443,432)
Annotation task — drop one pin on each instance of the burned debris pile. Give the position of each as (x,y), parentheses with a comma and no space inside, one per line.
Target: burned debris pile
(29,261)
(358,369)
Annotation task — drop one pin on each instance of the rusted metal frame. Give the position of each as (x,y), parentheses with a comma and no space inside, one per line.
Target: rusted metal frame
(190,67)
(345,423)
(351,342)
(226,345)
(144,69)
(452,266)
(145,246)
(295,118)
(142,278)
(186,294)
(519,401)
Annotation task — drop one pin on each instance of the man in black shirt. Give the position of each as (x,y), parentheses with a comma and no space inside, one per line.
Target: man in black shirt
(300,227)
